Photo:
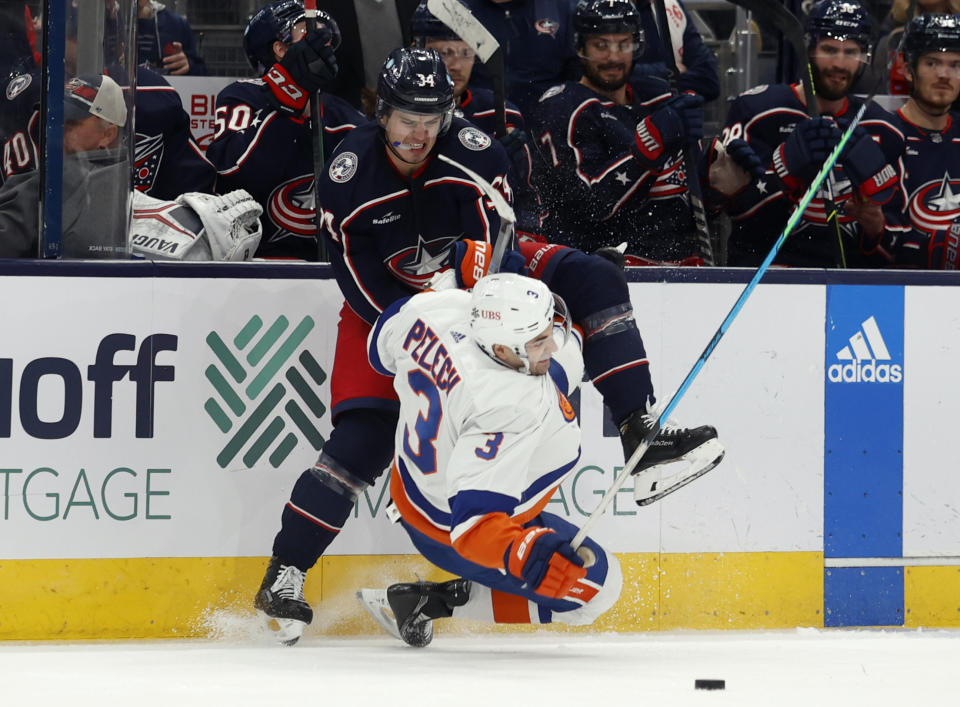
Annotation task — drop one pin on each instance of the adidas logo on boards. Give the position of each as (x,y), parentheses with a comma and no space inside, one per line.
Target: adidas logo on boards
(861,361)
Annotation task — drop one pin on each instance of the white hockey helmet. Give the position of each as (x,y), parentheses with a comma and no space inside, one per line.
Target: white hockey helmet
(510,310)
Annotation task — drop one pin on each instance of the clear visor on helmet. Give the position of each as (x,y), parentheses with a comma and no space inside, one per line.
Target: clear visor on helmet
(405,129)
(596,46)
(842,49)
(299,31)
(561,321)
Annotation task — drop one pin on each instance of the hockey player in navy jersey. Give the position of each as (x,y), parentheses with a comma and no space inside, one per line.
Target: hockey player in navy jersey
(472,488)
(396,217)
(774,121)
(478,106)
(263,142)
(613,150)
(167,162)
(931,174)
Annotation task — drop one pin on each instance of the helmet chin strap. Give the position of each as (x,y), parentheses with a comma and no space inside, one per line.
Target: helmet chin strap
(524,359)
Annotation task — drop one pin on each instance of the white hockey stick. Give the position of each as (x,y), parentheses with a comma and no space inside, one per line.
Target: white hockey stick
(458,18)
(650,477)
(504,210)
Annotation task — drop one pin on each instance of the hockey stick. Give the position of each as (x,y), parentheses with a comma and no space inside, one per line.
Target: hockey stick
(776,16)
(690,153)
(504,210)
(458,18)
(650,476)
(316,115)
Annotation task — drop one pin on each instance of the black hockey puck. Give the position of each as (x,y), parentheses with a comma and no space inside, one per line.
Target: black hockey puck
(709,684)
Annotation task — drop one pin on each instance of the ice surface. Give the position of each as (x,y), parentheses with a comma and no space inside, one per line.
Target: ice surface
(806,667)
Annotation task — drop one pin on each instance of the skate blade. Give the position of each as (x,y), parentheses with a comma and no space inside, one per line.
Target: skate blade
(375,602)
(286,631)
(652,484)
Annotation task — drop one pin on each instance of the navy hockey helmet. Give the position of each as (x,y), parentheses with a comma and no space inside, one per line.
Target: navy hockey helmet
(931,33)
(275,23)
(839,19)
(415,81)
(607,17)
(425,26)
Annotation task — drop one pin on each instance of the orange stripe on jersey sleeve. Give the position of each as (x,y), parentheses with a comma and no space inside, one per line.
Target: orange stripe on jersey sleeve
(487,541)
(529,515)
(509,608)
(410,514)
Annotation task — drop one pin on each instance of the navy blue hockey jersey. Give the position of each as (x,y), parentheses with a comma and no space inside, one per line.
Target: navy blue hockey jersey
(596,192)
(387,234)
(270,154)
(765,116)
(701,75)
(931,178)
(19,123)
(167,160)
(536,37)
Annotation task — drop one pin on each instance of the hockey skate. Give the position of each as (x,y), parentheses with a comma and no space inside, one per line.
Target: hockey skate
(406,611)
(281,604)
(677,455)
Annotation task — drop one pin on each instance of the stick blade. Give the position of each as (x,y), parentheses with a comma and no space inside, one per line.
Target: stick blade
(457,17)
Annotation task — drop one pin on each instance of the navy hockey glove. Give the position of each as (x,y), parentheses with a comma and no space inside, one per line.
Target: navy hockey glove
(613,253)
(514,142)
(308,66)
(678,121)
(544,561)
(745,158)
(798,160)
(725,170)
(470,260)
(867,167)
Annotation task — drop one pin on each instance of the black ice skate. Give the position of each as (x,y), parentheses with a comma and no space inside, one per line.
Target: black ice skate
(280,601)
(677,455)
(406,611)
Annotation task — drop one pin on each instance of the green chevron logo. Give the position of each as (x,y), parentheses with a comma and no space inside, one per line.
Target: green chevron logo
(265,391)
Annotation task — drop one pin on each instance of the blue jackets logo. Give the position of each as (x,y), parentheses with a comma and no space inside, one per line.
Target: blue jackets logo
(865,359)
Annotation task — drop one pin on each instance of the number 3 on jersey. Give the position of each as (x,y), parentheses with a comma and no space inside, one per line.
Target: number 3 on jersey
(427,425)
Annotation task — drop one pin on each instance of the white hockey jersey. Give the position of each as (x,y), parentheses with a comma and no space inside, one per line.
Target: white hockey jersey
(480,447)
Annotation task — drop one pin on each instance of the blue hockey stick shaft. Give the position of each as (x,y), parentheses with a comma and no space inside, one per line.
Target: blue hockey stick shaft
(718,334)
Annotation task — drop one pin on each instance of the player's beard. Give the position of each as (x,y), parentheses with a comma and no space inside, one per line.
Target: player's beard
(825,89)
(592,70)
(930,103)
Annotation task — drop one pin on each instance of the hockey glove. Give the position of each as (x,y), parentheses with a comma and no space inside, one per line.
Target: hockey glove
(514,143)
(308,66)
(800,157)
(613,253)
(545,562)
(678,121)
(745,158)
(470,260)
(231,223)
(867,167)
(727,169)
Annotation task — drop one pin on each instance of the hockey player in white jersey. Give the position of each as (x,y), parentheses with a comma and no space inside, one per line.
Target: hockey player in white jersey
(486,436)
